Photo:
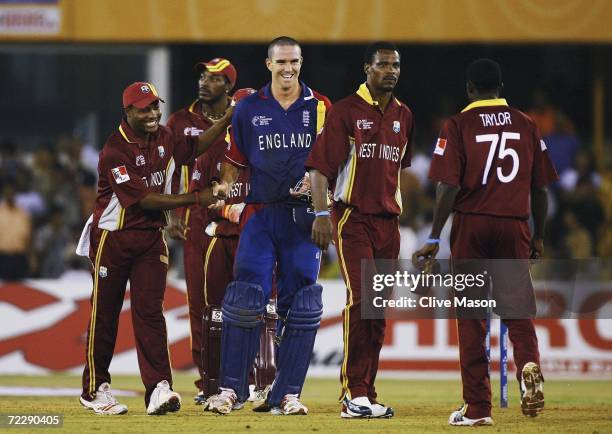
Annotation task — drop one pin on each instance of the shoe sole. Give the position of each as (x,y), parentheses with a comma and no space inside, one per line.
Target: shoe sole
(480,422)
(345,415)
(300,412)
(172,405)
(85,405)
(532,402)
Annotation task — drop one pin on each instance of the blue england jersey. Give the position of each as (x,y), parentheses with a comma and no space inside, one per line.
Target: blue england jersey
(275,142)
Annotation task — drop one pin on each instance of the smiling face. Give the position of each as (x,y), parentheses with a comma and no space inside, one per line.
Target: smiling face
(284,63)
(384,71)
(144,120)
(212,87)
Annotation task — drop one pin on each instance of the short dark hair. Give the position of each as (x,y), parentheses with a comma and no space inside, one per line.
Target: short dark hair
(368,56)
(484,74)
(281,40)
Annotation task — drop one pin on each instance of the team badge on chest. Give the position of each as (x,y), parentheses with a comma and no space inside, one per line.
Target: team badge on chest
(306,118)
(161,151)
(396,127)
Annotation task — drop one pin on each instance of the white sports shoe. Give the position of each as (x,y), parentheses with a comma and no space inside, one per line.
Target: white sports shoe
(104,402)
(532,390)
(382,411)
(163,400)
(260,399)
(359,407)
(457,418)
(290,405)
(224,402)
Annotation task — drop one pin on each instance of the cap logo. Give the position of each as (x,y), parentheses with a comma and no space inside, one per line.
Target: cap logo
(219,66)
(145,89)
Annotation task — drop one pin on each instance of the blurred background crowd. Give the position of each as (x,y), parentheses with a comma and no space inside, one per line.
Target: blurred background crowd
(64,65)
(48,189)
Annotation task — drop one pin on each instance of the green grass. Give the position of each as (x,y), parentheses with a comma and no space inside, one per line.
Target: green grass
(420,406)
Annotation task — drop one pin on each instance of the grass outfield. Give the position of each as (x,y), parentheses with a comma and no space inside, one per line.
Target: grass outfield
(420,406)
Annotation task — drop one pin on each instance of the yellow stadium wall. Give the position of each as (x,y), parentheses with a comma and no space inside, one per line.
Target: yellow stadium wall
(490,21)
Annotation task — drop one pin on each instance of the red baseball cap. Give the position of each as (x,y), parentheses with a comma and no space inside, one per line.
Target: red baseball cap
(220,66)
(140,94)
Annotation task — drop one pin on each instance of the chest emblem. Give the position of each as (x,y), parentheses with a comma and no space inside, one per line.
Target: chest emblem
(140,160)
(260,121)
(306,118)
(192,131)
(364,124)
(161,151)
(396,127)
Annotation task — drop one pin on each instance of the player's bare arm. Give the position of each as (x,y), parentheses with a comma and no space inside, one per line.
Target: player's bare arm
(322,226)
(228,175)
(208,137)
(539,209)
(445,198)
(157,201)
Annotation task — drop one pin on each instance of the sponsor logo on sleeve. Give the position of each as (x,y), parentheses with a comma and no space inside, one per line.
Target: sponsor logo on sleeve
(440,146)
(161,151)
(196,175)
(140,160)
(120,174)
(145,89)
(543,146)
(396,127)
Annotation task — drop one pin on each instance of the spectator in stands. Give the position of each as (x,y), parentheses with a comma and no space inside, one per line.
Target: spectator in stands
(15,241)
(52,243)
(556,129)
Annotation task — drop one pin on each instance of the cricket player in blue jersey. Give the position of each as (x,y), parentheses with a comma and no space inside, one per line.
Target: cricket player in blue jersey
(272,133)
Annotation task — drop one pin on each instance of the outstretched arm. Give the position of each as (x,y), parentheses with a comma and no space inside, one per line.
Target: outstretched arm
(445,199)
(157,201)
(208,137)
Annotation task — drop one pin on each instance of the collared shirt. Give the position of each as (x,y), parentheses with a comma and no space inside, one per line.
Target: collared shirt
(495,154)
(362,150)
(190,122)
(129,168)
(274,142)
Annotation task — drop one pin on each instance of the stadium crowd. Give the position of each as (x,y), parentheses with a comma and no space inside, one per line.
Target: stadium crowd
(47,195)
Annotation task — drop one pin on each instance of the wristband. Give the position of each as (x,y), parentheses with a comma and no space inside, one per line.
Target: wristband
(432,241)
(322,214)
(197,197)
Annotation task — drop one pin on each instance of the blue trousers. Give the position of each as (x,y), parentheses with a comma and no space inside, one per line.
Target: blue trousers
(270,239)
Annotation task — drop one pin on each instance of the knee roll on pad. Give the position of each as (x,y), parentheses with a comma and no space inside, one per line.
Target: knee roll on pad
(242,311)
(297,343)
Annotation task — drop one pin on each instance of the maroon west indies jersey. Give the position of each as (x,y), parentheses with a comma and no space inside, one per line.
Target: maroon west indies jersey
(496,155)
(191,122)
(207,168)
(129,168)
(361,151)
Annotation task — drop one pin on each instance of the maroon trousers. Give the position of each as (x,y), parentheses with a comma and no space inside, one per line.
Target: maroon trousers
(209,265)
(477,236)
(193,260)
(358,236)
(140,256)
